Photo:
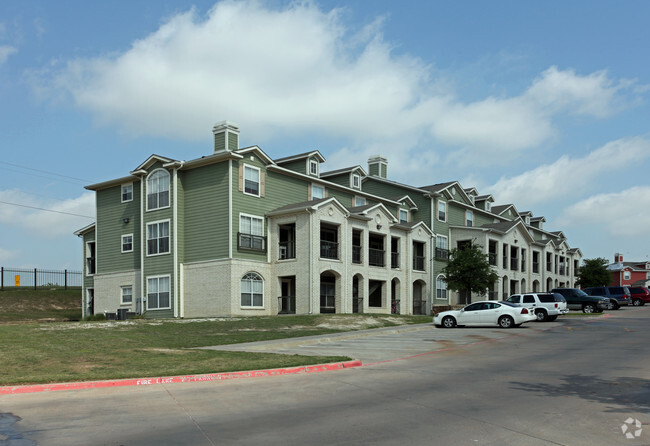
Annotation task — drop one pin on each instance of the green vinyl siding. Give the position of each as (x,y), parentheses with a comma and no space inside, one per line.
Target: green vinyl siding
(343,179)
(279,190)
(455,214)
(203,213)
(233,141)
(482,219)
(219,141)
(345,198)
(111,217)
(299,166)
(391,191)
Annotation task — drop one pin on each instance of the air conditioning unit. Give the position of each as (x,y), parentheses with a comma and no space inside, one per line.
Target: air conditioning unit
(283,252)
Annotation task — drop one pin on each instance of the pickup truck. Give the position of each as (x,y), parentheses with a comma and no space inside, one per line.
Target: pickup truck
(579,300)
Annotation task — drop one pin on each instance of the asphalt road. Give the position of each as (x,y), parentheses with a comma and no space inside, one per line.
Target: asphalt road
(570,382)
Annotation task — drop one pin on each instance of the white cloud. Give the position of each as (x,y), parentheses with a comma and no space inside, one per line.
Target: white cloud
(5,52)
(6,255)
(570,175)
(41,223)
(303,70)
(624,214)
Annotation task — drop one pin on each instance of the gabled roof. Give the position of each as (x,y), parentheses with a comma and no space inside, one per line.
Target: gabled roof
(405,199)
(505,227)
(411,226)
(308,205)
(487,197)
(152,160)
(538,219)
(111,183)
(348,170)
(500,209)
(441,188)
(305,155)
(526,214)
(267,159)
(365,210)
(559,234)
(84,230)
(471,191)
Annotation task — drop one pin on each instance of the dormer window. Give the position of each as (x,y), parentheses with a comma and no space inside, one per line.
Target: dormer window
(356,181)
(488,206)
(528,220)
(313,167)
(403,216)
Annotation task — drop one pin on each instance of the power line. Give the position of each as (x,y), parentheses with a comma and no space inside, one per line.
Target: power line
(47,210)
(45,171)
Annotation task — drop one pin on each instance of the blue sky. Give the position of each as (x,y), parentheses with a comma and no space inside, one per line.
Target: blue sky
(542,104)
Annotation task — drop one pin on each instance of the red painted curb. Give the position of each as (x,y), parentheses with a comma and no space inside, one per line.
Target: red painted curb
(12,390)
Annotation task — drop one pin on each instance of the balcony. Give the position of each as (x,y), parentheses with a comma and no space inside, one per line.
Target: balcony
(492,258)
(287,305)
(514,264)
(442,254)
(418,263)
(394,259)
(536,267)
(356,254)
(329,250)
(287,250)
(376,257)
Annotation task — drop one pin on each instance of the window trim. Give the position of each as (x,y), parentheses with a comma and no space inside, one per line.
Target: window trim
(87,256)
(168,276)
(122,288)
(122,200)
(132,244)
(262,235)
(357,197)
(259,181)
(406,212)
(313,185)
(169,193)
(251,307)
(169,237)
(438,211)
(469,222)
(356,178)
(312,162)
(445,289)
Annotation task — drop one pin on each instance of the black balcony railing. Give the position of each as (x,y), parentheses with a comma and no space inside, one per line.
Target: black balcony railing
(394,259)
(536,267)
(442,254)
(356,254)
(329,250)
(287,250)
(376,257)
(514,264)
(492,258)
(418,263)
(251,242)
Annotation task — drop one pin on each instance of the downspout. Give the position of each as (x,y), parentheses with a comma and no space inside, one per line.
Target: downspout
(311,266)
(229,207)
(142,247)
(178,309)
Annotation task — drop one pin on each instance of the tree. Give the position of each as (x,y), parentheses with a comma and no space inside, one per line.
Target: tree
(469,270)
(593,272)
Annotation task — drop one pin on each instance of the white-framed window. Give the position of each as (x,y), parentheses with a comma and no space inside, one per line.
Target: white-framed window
(356,181)
(488,206)
(313,167)
(251,233)
(471,199)
(442,247)
(469,218)
(317,192)
(403,216)
(158,238)
(252,291)
(441,287)
(442,210)
(127,243)
(158,294)
(158,190)
(527,220)
(91,263)
(127,192)
(359,201)
(626,275)
(251,180)
(127,294)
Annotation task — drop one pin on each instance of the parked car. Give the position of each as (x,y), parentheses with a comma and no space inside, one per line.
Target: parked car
(546,306)
(579,300)
(640,295)
(618,295)
(489,312)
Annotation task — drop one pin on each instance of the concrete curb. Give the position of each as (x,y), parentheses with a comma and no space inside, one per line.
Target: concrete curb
(13,390)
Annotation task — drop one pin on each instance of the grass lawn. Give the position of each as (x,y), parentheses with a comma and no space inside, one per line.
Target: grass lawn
(27,304)
(83,351)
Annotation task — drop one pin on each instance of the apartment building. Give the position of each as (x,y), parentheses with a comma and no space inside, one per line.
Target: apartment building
(237,233)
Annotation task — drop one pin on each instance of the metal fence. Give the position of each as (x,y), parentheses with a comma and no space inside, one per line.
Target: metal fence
(39,278)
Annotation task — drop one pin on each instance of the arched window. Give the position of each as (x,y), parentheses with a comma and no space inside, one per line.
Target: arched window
(252,290)
(441,287)
(158,190)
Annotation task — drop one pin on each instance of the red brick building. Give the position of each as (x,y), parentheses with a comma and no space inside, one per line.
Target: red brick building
(629,273)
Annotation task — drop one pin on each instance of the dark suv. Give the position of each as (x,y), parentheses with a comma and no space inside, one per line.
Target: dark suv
(579,300)
(640,295)
(617,295)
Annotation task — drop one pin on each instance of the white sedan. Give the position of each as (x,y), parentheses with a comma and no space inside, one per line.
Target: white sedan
(488,312)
